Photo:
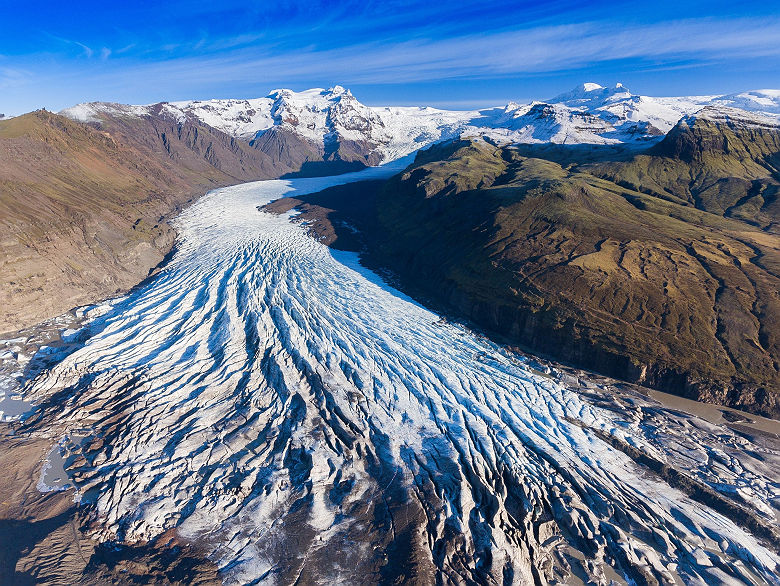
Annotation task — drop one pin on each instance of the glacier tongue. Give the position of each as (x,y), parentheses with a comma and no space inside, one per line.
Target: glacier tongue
(280,404)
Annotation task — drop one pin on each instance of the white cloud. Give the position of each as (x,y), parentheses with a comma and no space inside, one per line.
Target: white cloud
(546,49)
(248,62)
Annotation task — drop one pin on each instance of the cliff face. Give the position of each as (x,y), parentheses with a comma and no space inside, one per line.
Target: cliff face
(723,161)
(294,155)
(83,206)
(640,286)
(187,147)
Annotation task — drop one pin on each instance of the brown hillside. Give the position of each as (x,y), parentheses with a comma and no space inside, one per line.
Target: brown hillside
(83,208)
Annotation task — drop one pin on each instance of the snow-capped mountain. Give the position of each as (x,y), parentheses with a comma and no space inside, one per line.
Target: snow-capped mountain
(335,124)
(593,114)
(628,114)
(756,101)
(330,116)
(734,116)
(325,118)
(541,122)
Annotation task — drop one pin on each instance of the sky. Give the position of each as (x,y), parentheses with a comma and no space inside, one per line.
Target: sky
(448,54)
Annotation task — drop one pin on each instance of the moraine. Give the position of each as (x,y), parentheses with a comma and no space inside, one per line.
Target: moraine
(278,403)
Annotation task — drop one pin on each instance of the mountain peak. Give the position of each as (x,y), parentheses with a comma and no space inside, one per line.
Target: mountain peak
(337,90)
(590,94)
(589,87)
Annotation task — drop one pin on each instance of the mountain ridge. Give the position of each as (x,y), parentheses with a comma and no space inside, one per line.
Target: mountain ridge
(589,114)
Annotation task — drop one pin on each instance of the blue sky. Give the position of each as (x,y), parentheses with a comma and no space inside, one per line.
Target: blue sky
(442,53)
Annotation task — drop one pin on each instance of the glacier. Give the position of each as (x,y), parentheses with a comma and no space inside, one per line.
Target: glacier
(303,421)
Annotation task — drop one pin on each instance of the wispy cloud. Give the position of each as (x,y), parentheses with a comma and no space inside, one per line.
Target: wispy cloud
(124,49)
(546,49)
(86,51)
(210,62)
(11,77)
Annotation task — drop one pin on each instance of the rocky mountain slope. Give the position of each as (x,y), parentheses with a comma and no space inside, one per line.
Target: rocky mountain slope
(721,160)
(83,207)
(663,269)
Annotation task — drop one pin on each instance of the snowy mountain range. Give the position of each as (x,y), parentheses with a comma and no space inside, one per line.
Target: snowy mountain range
(327,119)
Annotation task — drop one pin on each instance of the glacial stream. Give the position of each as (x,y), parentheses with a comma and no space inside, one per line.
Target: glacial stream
(301,420)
